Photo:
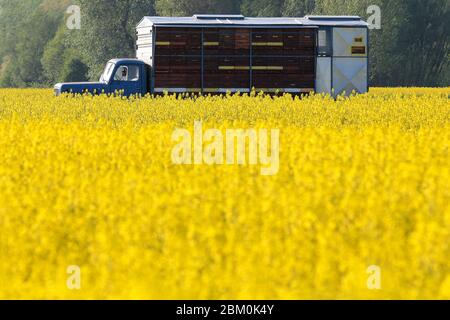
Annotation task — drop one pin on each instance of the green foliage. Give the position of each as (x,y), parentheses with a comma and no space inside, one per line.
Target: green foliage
(53,53)
(74,70)
(426,41)
(298,8)
(262,8)
(108,30)
(61,61)
(276,8)
(36,47)
(190,7)
(23,48)
(411,47)
(13,15)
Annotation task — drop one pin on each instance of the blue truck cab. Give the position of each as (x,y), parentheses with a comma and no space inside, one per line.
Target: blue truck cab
(122,76)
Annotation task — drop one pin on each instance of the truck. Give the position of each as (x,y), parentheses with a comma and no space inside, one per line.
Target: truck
(121,76)
(207,54)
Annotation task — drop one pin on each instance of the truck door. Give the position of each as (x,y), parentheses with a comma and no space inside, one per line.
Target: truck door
(127,79)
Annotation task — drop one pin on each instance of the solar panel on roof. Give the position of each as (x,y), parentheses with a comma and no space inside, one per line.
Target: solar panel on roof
(219,16)
(334,18)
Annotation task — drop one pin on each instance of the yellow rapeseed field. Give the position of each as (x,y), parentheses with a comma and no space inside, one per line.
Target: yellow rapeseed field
(363,183)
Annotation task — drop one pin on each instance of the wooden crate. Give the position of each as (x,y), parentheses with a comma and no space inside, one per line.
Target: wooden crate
(282,58)
(178,41)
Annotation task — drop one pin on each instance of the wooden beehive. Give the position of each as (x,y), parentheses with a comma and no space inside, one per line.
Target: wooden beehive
(230,56)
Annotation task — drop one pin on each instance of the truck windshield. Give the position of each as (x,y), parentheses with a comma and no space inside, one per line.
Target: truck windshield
(107,73)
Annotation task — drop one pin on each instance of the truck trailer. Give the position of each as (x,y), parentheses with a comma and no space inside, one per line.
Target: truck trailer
(208,54)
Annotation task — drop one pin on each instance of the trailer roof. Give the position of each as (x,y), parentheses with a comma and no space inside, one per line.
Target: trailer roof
(126,60)
(239,20)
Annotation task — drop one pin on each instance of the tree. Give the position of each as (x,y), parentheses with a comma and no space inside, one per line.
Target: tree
(62,62)
(378,51)
(27,49)
(262,8)
(426,38)
(298,8)
(74,70)
(190,7)
(108,30)
(412,46)
(13,15)
(33,24)
(411,49)
(53,56)
(342,7)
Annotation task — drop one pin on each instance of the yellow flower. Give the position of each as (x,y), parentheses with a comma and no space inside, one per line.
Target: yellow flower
(88,181)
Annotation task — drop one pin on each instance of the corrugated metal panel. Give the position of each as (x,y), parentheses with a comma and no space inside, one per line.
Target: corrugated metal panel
(146,40)
(144,44)
(145,54)
(143,30)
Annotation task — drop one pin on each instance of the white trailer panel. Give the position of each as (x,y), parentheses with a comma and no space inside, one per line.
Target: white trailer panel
(323,80)
(349,74)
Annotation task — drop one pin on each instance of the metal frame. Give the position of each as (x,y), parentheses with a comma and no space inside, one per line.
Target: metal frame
(368,58)
(153,77)
(316,56)
(237,26)
(332,60)
(329,33)
(203,62)
(250,87)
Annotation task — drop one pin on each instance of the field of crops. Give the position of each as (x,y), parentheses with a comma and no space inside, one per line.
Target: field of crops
(89,182)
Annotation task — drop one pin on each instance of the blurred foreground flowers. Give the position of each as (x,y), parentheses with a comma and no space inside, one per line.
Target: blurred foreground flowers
(89,182)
